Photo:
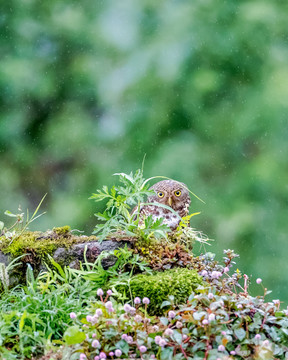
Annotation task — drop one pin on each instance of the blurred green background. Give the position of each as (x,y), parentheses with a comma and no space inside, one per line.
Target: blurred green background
(201,87)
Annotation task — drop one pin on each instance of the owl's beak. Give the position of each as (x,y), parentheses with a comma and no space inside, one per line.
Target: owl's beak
(170,201)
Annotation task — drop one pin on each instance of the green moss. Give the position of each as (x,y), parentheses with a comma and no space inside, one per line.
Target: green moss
(63,230)
(40,244)
(179,282)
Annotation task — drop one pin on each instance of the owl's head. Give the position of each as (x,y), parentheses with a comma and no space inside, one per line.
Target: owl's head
(171,193)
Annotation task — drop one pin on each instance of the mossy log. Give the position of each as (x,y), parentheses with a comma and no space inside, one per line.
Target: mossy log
(65,248)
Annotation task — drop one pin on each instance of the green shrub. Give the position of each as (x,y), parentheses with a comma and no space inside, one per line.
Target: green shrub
(178,282)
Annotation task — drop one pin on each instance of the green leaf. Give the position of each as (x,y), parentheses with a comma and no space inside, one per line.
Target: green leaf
(240,333)
(164,321)
(73,335)
(177,336)
(167,353)
(8,213)
(165,303)
(1,225)
(123,346)
(22,320)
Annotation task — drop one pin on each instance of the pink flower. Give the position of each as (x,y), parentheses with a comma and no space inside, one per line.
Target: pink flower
(96,357)
(95,344)
(111,353)
(93,335)
(211,317)
(162,342)
(216,274)
(98,312)
(168,332)
(258,281)
(89,318)
(138,318)
(276,302)
(146,301)
(137,300)
(129,339)
(204,273)
(239,306)
(179,325)
(118,352)
(109,292)
(171,314)
(226,269)
(142,348)
(100,293)
(132,310)
(185,337)
(223,333)
(73,315)
(205,322)
(127,308)
(82,356)
(232,352)
(221,348)
(102,355)
(257,336)
(157,339)
(124,337)
(108,305)
(210,296)
(265,343)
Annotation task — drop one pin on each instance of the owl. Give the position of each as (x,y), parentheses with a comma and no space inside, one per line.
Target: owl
(170,193)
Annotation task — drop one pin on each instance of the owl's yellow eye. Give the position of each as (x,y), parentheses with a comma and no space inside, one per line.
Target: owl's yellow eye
(160,194)
(177,193)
